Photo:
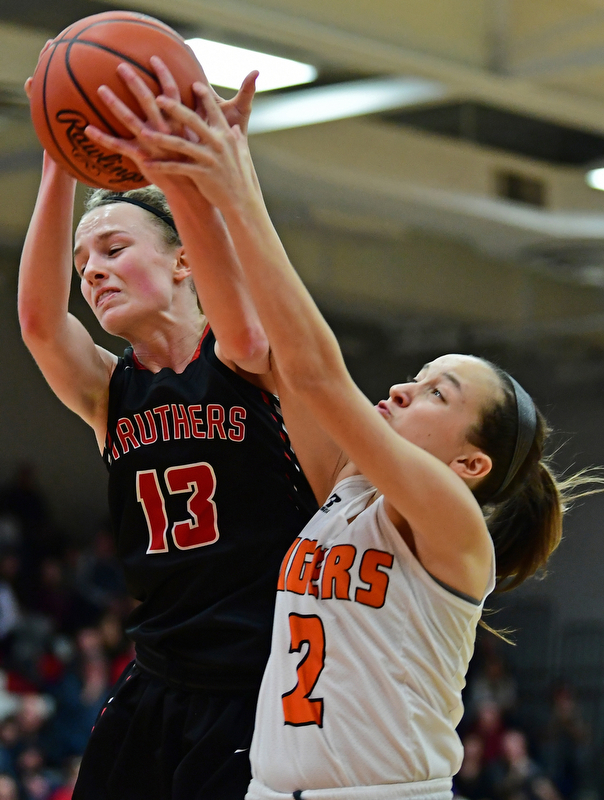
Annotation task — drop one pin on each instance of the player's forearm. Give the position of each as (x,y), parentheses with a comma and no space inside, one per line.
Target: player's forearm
(219,279)
(301,342)
(45,270)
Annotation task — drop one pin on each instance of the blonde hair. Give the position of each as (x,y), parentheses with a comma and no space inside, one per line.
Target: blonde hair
(150,195)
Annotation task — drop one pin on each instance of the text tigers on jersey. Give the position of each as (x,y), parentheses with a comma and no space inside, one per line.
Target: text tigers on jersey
(176,421)
(327,573)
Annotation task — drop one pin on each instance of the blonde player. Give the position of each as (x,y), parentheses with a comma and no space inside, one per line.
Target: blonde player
(195,451)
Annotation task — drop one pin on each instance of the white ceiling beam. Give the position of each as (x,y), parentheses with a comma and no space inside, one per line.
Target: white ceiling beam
(554,65)
(499,228)
(341,100)
(556,34)
(336,46)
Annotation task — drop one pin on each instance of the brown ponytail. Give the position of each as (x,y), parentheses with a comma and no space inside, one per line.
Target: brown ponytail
(524,520)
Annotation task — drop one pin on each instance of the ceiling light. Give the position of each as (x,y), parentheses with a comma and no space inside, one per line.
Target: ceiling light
(227,66)
(341,100)
(595,178)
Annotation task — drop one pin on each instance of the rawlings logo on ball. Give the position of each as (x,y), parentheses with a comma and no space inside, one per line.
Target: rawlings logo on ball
(64,90)
(96,161)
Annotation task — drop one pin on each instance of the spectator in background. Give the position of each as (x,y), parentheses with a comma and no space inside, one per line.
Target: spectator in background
(80,694)
(494,684)
(118,648)
(516,776)
(9,735)
(8,787)
(100,577)
(473,781)
(22,499)
(34,777)
(9,605)
(489,727)
(565,745)
(65,790)
(53,597)
(31,717)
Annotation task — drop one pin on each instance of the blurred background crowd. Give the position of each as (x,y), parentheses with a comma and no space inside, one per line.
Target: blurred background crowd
(530,728)
(62,646)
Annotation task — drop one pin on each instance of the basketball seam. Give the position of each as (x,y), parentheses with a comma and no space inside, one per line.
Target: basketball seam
(167,30)
(140,19)
(83,94)
(76,40)
(50,128)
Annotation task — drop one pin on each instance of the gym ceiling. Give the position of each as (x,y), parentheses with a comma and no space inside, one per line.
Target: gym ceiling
(465,217)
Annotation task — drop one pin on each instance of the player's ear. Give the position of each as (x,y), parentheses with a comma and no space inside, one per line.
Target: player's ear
(472,465)
(182,268)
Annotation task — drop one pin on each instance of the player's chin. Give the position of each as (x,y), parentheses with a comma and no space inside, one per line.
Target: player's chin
(112,320)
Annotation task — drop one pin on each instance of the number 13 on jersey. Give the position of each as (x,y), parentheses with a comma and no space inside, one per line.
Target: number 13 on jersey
(201,527)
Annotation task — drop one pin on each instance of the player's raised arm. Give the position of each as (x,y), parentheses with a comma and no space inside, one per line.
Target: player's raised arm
(423,491)
(76,369)
(217,274)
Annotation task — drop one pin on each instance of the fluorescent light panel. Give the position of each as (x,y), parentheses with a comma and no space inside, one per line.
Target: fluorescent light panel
(341,100)
(227,66)
(595,178)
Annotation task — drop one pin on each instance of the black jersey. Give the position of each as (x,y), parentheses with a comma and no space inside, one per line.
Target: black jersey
(205,496)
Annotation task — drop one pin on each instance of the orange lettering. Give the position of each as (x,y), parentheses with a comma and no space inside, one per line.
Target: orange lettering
(284,563)
(301,569)
(370,573)
(335,571)
(315,570)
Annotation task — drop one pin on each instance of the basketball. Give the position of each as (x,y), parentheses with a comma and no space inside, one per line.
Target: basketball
(64,97)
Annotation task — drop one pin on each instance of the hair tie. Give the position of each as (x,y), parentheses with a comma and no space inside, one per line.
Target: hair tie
(525,435)
(119,198)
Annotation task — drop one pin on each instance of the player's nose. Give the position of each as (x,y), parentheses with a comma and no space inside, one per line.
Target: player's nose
(402,393)
(94,270)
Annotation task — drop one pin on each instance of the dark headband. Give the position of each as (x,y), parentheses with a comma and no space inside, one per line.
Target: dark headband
(525,436)
(118,198)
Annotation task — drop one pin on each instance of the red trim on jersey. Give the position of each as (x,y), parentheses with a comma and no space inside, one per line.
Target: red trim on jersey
(206,330)
(137,363)
(195,356)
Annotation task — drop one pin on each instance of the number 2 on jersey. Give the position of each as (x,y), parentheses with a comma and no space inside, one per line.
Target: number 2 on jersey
(298,707)
(197,531)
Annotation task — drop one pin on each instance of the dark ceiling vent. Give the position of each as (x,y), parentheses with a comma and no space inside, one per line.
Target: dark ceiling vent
(505,130)
(513,186)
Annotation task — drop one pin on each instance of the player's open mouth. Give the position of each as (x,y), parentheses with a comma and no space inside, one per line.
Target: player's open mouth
(104,296)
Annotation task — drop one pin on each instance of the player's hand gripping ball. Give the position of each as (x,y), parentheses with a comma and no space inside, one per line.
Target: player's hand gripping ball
(64,97)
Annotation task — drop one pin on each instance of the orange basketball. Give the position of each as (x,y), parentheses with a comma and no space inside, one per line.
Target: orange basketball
(64,97)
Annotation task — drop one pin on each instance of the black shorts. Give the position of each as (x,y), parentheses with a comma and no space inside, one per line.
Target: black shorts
(158,741)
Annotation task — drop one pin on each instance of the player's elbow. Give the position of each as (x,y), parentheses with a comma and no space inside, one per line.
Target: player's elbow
(34,323)
(247,347)
(30,324)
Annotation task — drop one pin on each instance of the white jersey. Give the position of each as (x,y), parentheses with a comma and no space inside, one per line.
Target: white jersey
(368,659)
